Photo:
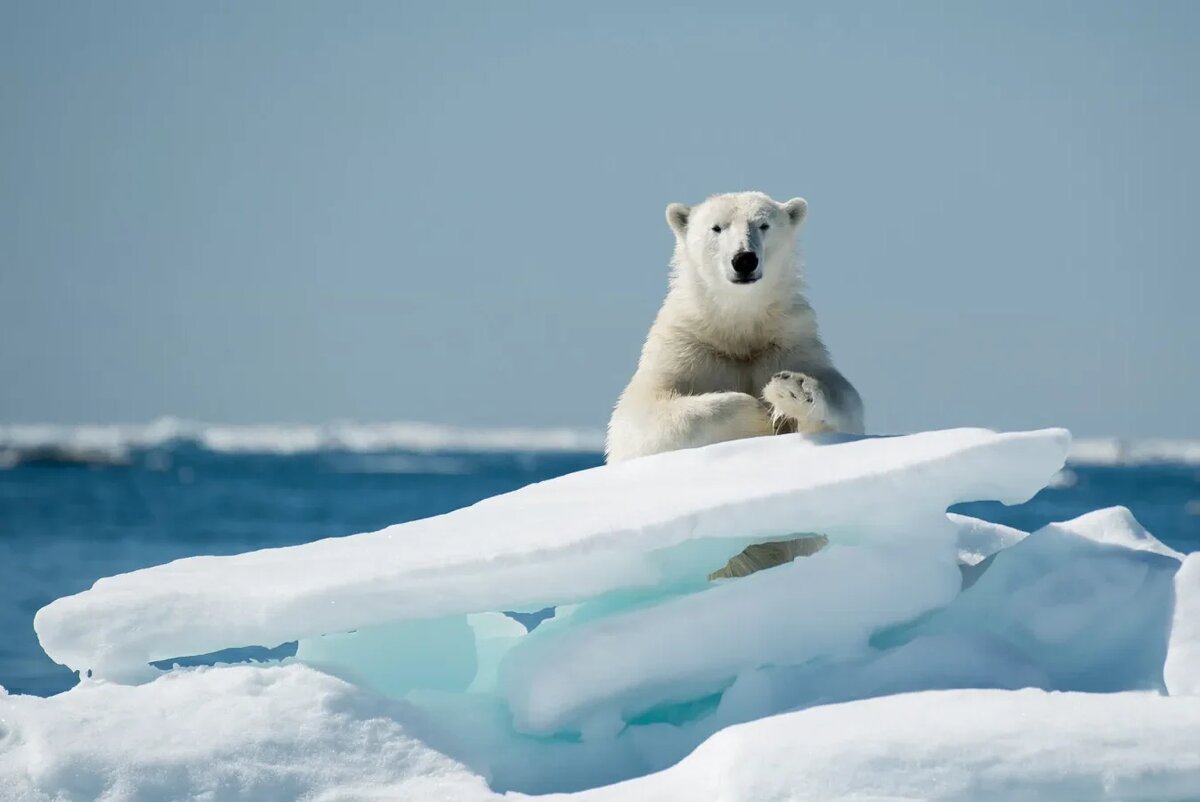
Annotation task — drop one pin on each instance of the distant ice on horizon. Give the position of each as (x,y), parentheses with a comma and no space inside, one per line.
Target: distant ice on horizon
(115,442)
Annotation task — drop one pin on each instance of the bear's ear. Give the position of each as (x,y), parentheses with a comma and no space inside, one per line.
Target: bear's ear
(796,208)
(677,217)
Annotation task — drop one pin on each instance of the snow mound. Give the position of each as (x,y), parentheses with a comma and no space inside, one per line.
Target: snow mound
(950,745)
(918,655)
(1088,601)
(291,733)
(264,734)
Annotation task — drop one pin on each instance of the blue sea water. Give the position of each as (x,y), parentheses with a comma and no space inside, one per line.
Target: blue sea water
(64,524)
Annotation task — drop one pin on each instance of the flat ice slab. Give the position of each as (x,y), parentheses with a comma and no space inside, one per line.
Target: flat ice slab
(639,524)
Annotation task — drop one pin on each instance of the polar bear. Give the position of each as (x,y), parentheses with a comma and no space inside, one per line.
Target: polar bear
(734,351)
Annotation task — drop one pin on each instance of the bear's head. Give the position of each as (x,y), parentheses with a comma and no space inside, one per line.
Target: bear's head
(737,240)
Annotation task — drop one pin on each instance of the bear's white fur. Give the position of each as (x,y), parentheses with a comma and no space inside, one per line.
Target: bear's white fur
(732,354)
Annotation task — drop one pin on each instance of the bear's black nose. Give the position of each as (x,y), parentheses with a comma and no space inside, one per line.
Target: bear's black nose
(745,263)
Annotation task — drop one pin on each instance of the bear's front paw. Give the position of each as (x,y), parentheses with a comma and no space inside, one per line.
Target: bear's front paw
(797,403)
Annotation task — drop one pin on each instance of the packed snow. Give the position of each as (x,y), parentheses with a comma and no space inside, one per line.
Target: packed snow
(918,655)
(288,733)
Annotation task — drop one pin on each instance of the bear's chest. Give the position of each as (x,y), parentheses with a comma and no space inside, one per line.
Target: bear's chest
(715,373)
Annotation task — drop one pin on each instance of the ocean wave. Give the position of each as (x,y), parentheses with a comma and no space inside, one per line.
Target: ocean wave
(113,443)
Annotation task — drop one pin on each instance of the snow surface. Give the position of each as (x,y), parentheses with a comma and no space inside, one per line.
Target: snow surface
(260,734)
(978,540)
(1182,670)
(290,733)
(919,655)
(1088,601)
(961,745)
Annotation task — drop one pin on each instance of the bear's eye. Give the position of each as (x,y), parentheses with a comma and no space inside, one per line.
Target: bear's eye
(717,229)
(764,227)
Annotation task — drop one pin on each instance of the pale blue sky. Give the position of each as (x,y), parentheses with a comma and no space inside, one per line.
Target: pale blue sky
(454,211)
